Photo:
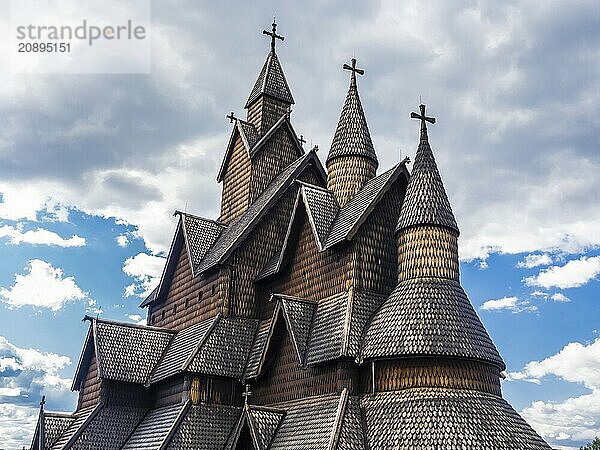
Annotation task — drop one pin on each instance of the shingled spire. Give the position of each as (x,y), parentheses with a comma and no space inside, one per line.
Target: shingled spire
(270,97)
(352,160)
(426,202)
(429,314)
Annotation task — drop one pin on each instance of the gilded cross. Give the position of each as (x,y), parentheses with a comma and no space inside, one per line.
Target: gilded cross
(353,69)
(231,117)
(273,35)
(422,117)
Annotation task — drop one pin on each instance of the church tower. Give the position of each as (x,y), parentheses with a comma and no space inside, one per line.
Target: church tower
(352,160)
(264,144)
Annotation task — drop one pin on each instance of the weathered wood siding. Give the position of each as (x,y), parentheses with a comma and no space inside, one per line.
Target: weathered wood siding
(236,183)
(89,391)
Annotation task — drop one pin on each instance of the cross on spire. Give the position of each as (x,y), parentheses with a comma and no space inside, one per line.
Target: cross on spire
(43,402)
(231,117)
(302,140)
(354,71)
(423,118)
(246,394)
(273,34)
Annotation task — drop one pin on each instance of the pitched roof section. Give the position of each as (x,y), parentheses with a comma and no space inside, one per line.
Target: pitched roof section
(183,347)
(124,351)
(353,214)
(239,229)
(225,350)
(200,235)
(352,135)
(271,81)
(262,423)
(426,202)
(298,314)
(81,419)
(157,427)
(127,352)
(322,209)
(205,427)
(429,317)
(451,419)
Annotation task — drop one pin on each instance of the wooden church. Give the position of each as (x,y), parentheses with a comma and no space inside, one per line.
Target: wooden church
(321,310)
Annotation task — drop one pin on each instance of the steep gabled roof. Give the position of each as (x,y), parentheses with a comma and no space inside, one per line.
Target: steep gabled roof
(353,214)
(157,427)
(297,314)
(182,348)
(239,229)
(80,421)
(253,142)
(216,346)
(330,224)
(426,202)
(262,423)
(352,137)
(271,81)
(124,352)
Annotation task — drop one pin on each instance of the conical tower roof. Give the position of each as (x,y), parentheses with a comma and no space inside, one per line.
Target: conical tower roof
(271,82)
(426,202)
(352,135)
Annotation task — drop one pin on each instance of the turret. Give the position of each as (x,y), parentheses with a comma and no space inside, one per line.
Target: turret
(352,160)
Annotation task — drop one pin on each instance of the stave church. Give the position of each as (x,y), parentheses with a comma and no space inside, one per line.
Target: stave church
(322,310)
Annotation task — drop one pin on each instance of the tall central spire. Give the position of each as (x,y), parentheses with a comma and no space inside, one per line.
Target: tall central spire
(270,98)
(351,161)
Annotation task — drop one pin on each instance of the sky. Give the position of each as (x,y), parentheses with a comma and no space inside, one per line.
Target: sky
(92,166)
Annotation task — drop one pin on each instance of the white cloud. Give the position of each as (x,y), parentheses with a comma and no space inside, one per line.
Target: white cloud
(535,260)
(512,304)
(39,236)
(137,319)
(578,418)
(42,286)
(560,297)
(25,375)
(146,270)
(575,273)
(122,240)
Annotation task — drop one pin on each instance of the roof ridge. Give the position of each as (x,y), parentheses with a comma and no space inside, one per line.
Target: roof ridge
(127,324)
(195,216)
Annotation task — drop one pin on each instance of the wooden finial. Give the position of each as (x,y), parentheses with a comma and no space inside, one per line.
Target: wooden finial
(273,34)
(423,118)
(354,70)
(246,394)
(302,140)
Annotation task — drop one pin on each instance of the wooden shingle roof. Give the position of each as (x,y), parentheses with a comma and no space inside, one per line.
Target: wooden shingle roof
(271,81)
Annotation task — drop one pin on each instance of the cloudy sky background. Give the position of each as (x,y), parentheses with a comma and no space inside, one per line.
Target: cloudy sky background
(92,167)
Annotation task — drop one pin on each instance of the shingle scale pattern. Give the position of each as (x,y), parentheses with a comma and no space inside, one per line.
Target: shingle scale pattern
(426,202)
(183,345)
(356,208)
(307,425)
(453,419)
(264,423)
(299,317)
(109,429)
(237,229)
(201,235)
(128,353)
(352,135)
(352,434)
(225,351)
(55,426)
(205,427)
(327,332)
(429,317)
(154,428)
(323,208)
(271,81)
(80,417)
(249,132)
(258,348)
